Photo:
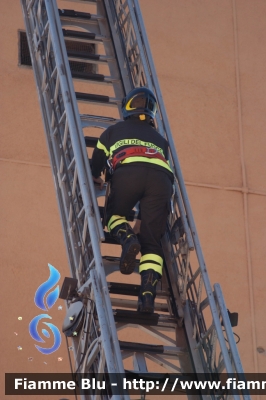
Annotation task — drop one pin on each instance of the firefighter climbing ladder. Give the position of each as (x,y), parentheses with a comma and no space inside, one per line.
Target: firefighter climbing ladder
(190,328)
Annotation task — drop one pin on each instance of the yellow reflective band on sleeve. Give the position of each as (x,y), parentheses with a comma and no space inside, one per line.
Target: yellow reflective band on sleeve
(116,220)
(155,161)
(155,267)
(134,142)
(152,257)
(100,146)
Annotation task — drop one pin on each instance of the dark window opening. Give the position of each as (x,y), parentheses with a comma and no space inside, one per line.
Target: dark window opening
(71,45)
(24,52)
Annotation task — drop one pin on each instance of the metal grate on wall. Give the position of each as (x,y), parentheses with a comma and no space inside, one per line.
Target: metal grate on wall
(24,52)
(77,47)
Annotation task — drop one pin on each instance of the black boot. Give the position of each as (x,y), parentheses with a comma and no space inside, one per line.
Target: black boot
(124,235)
(149,279)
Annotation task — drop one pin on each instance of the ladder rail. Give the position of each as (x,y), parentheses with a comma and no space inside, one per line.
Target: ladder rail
(73,115)
(104,309)
(56,95)
(149,79)
(214,302)
(230,337)
(101,294)
(178,174)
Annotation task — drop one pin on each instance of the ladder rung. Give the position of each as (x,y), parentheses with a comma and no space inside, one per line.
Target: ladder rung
(77,16)
(137,318)
(92,97)
(97,121)
(82,55)
(86,57)
(132,290)
(170,351)
(123,288)
(83,36)
(133,304)
(74,14)
(97,98)
(87,76)
(90,141)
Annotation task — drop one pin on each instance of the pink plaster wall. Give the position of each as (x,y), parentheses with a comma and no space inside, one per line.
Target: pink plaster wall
(210,60)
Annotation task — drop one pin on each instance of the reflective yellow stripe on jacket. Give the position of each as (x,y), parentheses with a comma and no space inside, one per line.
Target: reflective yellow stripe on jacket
(155,161)
(100,146)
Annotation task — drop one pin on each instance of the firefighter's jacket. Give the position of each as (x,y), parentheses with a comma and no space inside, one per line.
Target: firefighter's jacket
(124,134)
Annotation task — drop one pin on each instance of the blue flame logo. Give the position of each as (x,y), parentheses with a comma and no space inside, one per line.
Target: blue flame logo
(44,289)
(51,299)
(35,335)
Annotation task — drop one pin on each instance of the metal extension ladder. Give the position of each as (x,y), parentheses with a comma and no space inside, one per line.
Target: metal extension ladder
(190,328)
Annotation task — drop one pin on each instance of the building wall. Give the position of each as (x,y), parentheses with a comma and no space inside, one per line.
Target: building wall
(210,61)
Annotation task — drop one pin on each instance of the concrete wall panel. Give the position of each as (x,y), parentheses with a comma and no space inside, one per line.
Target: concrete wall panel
(22,137)
(250,17)
(193,48)
(31,237)
(219,217)
(257,292)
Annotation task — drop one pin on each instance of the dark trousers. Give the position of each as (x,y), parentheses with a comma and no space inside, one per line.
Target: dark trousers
(153,188)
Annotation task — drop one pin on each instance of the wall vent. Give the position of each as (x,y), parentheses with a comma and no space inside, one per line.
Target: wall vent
(24,52)
(71,46)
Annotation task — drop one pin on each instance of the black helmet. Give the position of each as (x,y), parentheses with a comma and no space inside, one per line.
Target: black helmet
(139,101)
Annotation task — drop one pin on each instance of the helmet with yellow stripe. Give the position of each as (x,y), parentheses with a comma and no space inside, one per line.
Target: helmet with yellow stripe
(140,101)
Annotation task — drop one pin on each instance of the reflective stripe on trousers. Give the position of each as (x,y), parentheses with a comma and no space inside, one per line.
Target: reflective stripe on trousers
(151,261)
